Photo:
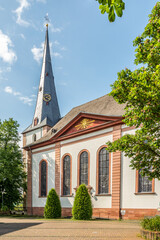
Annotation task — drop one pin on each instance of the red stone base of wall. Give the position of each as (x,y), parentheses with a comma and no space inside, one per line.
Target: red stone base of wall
(39,211)
(29,210)
(138,213)
(66,212)
(109,213)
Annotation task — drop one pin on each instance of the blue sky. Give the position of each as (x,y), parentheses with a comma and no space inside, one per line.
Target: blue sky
(87,51)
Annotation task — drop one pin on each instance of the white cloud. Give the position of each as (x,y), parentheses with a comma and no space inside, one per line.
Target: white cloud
(35,87)
(6,53)
(56,43)
(8,69)
(24,4)
(24,99)
(57,54)
(37,52)
(16,93)
(53,28)
(5,69)
(33,95)
(58,46)
(8,90)
(63,49)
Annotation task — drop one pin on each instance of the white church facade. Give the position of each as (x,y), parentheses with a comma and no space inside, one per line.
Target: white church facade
(62,153)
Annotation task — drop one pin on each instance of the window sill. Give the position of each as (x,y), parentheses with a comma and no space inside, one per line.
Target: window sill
(66,196)
(42,197)
(144,193)
(103,195)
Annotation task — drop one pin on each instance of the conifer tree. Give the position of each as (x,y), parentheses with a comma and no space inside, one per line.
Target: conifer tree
(82,207)
(53,206)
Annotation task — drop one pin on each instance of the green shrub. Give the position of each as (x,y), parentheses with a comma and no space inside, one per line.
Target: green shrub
(82,207)
(4,209)
(53,206)
(152,224)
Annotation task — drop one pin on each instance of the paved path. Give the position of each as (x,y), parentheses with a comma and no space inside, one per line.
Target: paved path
(36,229)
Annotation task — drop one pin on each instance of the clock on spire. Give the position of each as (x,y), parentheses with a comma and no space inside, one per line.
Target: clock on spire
(47,112)
(47,109)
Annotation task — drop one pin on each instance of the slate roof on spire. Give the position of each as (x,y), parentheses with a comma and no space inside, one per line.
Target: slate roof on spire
(46,112)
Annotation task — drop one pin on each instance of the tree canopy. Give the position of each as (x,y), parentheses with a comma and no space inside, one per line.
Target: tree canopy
(12,175)
(112,8)
(140,90)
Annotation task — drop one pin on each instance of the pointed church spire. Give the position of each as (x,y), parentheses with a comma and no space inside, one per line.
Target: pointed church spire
(47,109)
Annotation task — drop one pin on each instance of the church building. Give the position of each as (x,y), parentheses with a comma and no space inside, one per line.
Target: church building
(64,152)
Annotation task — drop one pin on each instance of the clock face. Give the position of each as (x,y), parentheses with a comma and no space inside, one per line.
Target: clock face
(47,97)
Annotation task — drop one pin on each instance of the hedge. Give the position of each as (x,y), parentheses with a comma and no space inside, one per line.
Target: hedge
(152,224)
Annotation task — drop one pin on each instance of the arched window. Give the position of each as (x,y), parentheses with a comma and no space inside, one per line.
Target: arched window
(83,168)
(144,184)
(103,171)
(66,175)
(34,137)
(43,178)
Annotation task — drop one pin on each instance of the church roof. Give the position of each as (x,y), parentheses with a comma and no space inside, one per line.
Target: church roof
(47,110)
(105,106)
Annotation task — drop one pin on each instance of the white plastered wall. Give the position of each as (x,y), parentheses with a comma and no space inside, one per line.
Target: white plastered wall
(92,145)
(36,158)
(29,135)
(128,185)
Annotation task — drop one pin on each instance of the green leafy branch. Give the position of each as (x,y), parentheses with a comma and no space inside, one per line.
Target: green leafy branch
(111,7)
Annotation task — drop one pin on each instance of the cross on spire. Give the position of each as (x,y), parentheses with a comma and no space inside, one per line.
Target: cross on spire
(47,109)
(46,19)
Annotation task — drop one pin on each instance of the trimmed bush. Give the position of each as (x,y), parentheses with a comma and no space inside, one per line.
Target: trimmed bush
(152,224)
(53,206)
(82,207)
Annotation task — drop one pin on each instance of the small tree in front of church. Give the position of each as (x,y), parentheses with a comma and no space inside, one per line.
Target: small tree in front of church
(53,206)
(12,174)
(82,207)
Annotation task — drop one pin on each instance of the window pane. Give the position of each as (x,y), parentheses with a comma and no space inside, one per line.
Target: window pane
(84,168)
(66,175)
(103,171)
(144,185)
(43,178)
